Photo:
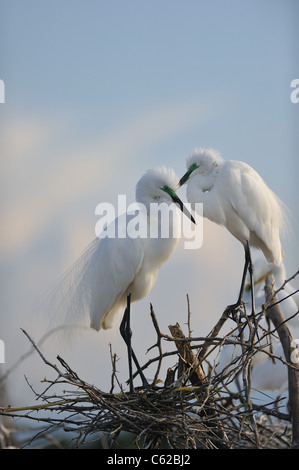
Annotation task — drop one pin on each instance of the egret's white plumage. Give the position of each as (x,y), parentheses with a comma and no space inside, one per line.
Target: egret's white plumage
(98,284)
(273,375)
(288,297)
(235,196)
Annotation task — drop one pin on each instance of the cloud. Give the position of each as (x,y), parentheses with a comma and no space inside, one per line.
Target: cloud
(42,176)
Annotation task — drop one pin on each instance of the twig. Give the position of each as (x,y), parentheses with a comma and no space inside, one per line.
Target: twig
(114,374)
(158,343)
(197,375)
(42,356)
(213,333)
(189,316)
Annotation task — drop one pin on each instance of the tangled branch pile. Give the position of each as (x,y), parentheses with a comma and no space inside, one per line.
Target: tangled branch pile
(193,407)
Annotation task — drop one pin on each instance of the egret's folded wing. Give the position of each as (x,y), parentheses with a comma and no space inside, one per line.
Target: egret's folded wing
(259,208)
(111,271)
(94,282)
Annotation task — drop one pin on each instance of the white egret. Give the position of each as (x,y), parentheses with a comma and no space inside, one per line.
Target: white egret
(288,297)
(273,375)
(266,374)
(236,197)
(115,271)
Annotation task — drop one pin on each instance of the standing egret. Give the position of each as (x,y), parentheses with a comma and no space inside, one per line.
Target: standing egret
(236,197)
(273,375)
(117,270)
(289,304)
(266,373)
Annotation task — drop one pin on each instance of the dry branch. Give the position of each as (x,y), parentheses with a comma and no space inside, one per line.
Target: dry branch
(196,373)
(275,314)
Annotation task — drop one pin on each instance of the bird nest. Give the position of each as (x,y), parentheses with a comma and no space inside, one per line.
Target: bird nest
(192,407)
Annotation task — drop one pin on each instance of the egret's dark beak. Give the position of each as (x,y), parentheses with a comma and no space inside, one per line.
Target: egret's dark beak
(183,208)
(184,178)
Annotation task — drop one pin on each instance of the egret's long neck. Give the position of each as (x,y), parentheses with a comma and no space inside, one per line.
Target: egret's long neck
(207,182)
(199,185)
(199,190)
(202,183)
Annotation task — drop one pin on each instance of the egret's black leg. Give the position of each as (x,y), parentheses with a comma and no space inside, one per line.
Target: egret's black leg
(250,268)
(246,265)
(236,307)
(126,333)
(251,272)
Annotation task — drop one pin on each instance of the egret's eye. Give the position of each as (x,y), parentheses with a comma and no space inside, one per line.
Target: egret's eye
(193,167)
(166,189)
(169,191)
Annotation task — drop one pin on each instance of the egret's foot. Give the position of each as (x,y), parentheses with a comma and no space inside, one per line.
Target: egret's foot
(145,385)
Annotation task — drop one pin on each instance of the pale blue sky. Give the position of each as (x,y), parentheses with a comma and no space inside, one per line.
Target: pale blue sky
(99,91)
(107,63)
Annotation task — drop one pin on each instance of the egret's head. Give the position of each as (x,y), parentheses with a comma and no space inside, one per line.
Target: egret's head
(159,185)
(201,161)
(156,185)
